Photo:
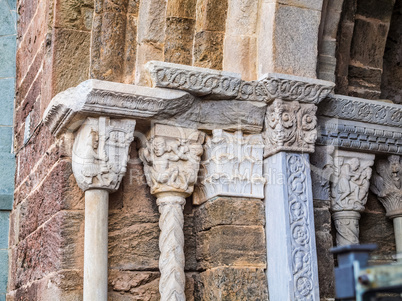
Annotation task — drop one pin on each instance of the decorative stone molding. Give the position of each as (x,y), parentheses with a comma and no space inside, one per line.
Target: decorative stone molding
(224,85)
(290,126)
(362,110)
(171,159)
(360,124)
(100,152)
(231,166)
(387,185)
(349,189)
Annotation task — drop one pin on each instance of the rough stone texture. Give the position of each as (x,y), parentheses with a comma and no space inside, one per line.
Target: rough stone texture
(283,51)
(208,49)
(232,284)
(391,86)
(211,15)
(179,40)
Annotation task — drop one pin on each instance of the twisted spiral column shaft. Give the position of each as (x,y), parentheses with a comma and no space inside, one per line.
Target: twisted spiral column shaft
(171,246)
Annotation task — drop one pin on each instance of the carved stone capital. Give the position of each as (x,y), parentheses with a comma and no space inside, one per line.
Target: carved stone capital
(387,184)
(350,181)
(290,126)
(232,166)
(100,152)
(171,159)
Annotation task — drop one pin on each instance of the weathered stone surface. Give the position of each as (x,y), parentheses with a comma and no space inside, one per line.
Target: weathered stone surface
(208,49)
(76,14)
(145,53)
(381,10)
(181,9)
(211,15)
(229,211)
(232,284)
(231,245)
(55,246)
(283,51)
(241,18)
(239,56)
(151,22)
(179,40)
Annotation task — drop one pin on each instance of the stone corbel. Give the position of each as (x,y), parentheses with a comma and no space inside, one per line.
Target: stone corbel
(349,190)
(387,185)
(99,160)
(231,166)
(171,160)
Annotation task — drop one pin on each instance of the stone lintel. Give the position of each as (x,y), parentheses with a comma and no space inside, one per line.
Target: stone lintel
(213,84)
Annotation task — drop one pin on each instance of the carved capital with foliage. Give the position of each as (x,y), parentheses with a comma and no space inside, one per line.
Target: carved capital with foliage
(100,152)
(387,184)
(290,126)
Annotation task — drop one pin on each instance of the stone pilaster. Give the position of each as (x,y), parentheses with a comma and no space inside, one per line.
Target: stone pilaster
(99,160)
(387,185)
(289,136)
(349,189)
(171,158)
(229,220)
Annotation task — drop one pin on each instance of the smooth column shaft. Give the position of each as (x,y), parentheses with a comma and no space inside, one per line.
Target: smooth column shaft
(398,236)
(96,245)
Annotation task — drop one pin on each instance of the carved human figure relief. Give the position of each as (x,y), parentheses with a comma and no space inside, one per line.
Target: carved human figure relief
(387,184)
(350,184)
(290,126)
(231,166)
(322,168)
(100,152)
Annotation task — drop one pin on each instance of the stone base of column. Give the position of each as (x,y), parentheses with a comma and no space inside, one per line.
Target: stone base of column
(231,249)
(291,249)
(347,227)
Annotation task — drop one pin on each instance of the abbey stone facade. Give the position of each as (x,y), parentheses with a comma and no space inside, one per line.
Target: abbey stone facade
(202,149)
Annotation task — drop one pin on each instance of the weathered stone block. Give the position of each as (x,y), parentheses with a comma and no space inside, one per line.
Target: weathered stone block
(208,49)
(179,40)
(7,22)
(3,271)
(229,211)
(211,15)
(240,56)
(151,21)
(75,14)
(181,9)
(381,10)
(231,245)
(6,103)
(368,50)
(4,221)
(7,166)
(145,53)
(309,4)
(71,58)
(231,284)
(241,20)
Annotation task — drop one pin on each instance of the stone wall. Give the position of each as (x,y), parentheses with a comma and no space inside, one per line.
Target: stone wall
(8,37)
(62,43)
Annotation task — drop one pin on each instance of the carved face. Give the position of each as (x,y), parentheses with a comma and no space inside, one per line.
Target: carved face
(159,146)
(280,121)
(354,164)
(94,139)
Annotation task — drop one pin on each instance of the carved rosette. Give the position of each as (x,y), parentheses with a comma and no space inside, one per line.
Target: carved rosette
(349,190)
(300,221)
(290,126)
(100,152)
(387,185)
(171,160)
(232,166)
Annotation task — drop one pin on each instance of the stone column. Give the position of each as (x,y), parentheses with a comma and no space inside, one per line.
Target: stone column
(171,159)
(229,218)
(292,260)
(349,190)
(99,160)
(387,185)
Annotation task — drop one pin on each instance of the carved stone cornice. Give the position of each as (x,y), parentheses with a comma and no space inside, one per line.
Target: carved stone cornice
(387,185)
(100,152)
(350,184)
(231,166)
(171,159)
(290,126)
(214,84)
(362,110)
(360,124)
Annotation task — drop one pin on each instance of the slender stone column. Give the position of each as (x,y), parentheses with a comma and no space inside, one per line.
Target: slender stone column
(292,259)
(349,189)
(171,159)
(387,185)
(99,160)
